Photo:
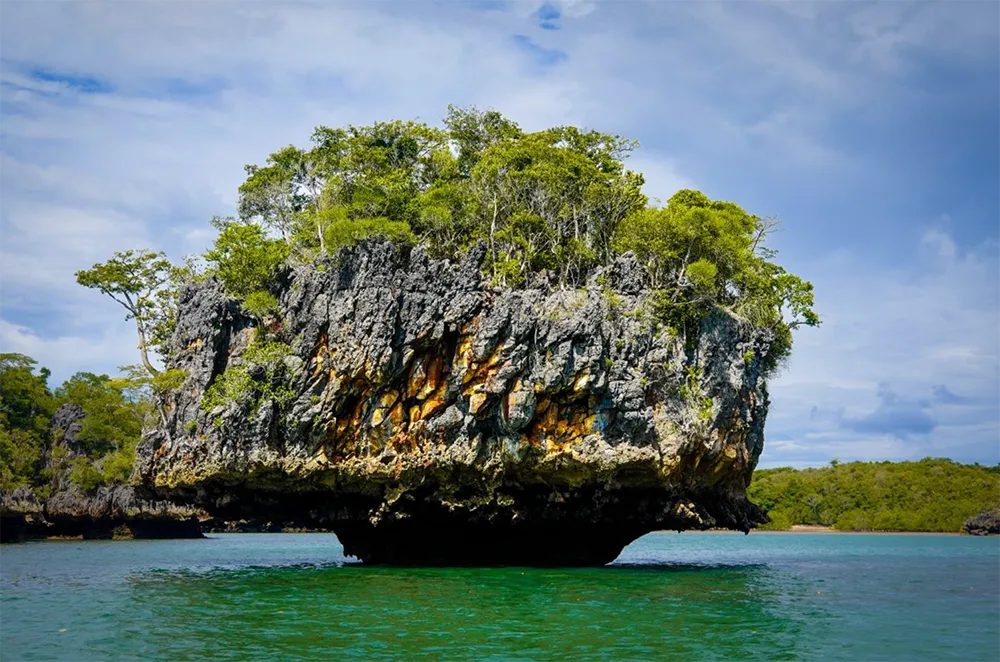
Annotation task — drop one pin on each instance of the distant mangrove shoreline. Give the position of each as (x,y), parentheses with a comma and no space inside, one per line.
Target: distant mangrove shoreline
(933,495)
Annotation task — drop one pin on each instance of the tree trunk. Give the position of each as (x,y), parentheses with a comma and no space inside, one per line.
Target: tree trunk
(144,352)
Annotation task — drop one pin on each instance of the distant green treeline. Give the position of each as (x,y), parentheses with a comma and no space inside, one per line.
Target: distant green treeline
(102,451)
(929,495)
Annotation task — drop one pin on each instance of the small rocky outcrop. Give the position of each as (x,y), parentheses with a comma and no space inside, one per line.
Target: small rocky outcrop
(984,524)
(105,512)
(21,512)
(428,418)
(108,510)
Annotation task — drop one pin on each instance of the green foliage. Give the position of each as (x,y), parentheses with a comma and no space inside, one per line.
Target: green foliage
(705,410)
(238,385)
(261,304)
(84,474)
(701,253)
(348,232)
(135,279)
(690,389)
(20,458)
(545,200)
(168,380)
(244,258)
(929,495)
(117,466)
(25,400)
(474,131)
(26,405)
(111,420)
(114,413)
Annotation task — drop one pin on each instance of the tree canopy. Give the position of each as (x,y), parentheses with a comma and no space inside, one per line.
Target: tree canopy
(929,495)
(115,410)
(559,201)
(26,405)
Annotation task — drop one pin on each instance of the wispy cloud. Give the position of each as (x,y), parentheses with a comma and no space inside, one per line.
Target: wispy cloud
(541,56)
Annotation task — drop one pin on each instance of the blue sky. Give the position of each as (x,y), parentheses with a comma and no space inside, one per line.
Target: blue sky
(870,129)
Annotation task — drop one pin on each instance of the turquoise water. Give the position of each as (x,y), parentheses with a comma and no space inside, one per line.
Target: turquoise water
(690,596)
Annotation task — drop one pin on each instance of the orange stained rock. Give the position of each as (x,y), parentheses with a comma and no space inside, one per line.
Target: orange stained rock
(389,398)
(433,404)
(321,349)
(358,413)
(547,414)
(416,381)
(433,381)
(464,346)
(480,372)
(397,414)
(476,401)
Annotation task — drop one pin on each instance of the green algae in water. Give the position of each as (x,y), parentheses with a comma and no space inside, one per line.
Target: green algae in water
(669,597)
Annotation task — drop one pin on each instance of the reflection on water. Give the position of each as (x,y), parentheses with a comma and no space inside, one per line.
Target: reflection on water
(666,612)
(670,597)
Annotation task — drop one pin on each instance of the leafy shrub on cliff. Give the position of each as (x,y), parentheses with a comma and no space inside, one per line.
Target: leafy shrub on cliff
(255,377)
(350,233)
(700,253)
(929,495)
(244,258)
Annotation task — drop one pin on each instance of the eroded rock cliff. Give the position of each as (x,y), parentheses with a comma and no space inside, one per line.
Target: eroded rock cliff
(428,418)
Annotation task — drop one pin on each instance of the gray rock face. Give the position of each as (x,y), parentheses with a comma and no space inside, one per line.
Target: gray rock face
(20,511)
(429,418)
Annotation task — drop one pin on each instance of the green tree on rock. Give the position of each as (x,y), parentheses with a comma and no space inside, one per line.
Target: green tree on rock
(134,279)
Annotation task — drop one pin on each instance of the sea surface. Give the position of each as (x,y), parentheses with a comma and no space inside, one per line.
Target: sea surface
(670,596)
